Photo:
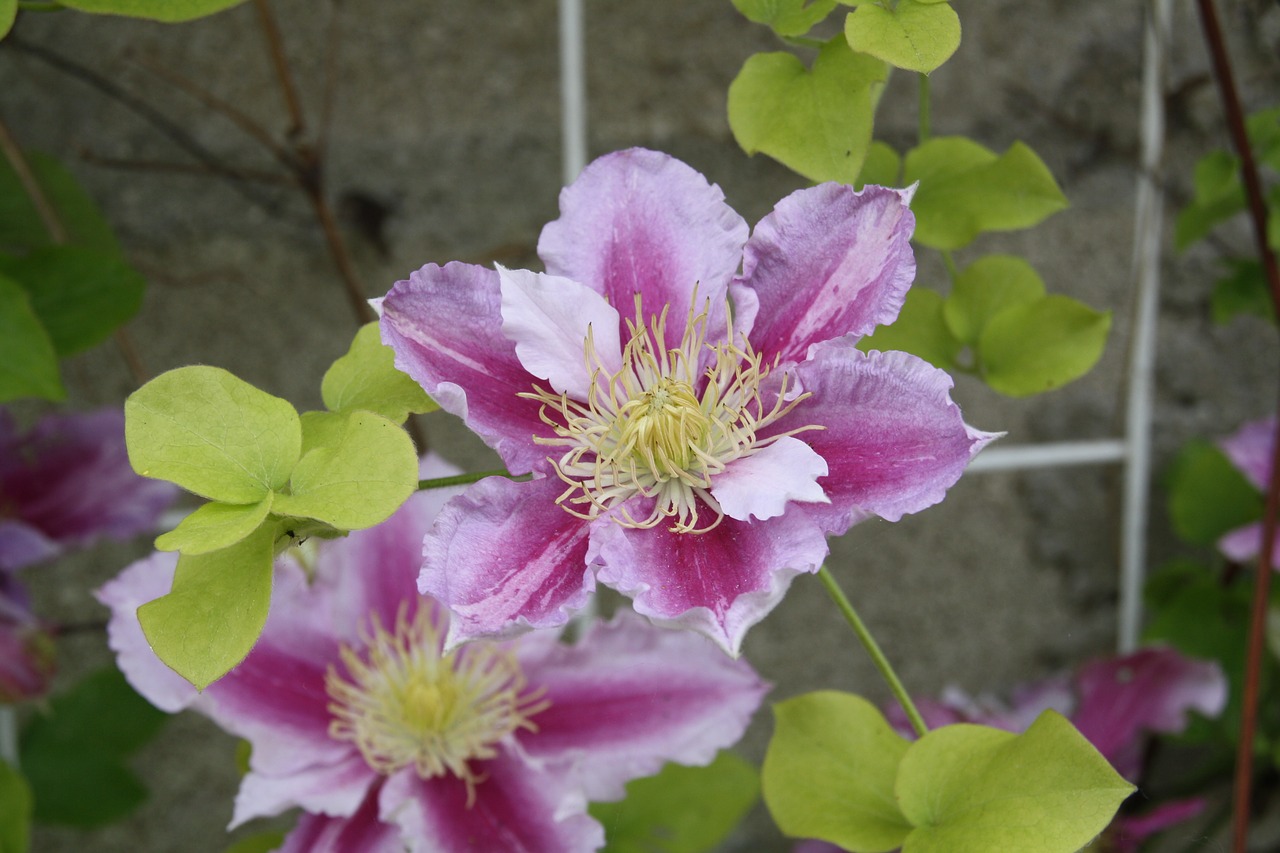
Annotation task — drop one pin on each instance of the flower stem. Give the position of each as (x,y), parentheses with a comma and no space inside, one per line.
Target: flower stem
(873,649)
(464,479)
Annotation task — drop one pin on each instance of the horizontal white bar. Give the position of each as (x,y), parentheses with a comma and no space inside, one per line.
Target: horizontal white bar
(1053,455)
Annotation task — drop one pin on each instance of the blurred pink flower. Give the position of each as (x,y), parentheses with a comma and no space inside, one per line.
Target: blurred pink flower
(26,648)
(1250,450)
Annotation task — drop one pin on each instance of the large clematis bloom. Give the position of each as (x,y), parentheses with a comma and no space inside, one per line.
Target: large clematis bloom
(1250,449)
(67,481)
(357,715)
(692,456)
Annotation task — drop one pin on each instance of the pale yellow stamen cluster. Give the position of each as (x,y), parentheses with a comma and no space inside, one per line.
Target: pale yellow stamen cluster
(405,704)
(648,430)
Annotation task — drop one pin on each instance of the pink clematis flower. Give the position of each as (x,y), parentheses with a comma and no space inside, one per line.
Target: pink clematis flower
(67,481)
(1250,449)
(26,647)
(691,456)
(387,742)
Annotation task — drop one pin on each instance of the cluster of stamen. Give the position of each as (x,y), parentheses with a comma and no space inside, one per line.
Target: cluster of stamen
(404,703)
(661,426)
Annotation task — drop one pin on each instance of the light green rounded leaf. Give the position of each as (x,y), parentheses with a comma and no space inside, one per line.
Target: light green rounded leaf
(15,810)
(80,295)
(882,166)
(213,434)
(216,610)
(985,288)
(366,378)
(22,229)
(786,17)
(356,482)
(913,35)
(920,330)
(829,772)
(681,809)
(817,123)
(965,189)
(215,526)
(1041,345)
(8,14)
(973,789)
(168,11)
(28,362)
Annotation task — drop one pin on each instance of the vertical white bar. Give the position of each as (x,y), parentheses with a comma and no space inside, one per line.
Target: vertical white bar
(1146,266)
(573,89)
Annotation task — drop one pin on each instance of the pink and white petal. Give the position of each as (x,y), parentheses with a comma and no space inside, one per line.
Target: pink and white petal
(1250,449)
(445,326)
(1244,544)
(639,221)
(504,558)
(827,262)
(143,581)
(549,318)
(762,484)
(333,788)
(892,438)
(629,697)
(717,583)
(517,809)
(363,832)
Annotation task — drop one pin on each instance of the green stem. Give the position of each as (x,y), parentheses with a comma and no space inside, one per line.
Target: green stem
(464,479)
(924,110)
(873,649)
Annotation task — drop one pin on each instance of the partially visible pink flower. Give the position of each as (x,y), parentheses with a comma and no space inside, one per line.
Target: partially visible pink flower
(691,455)
(358,716)
(1250,450)
(26,648)
(67,481)
(1128,831)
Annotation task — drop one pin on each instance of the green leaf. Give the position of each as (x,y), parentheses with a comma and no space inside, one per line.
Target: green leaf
(22,229)
(985,288)
(1208,496)
(366,378)
(786,17)
(882,166)
(358,481)
(216,610)
(1243,290)
(681,809)
(28,362)
(73,755)
(81,295)
(1041,345)
(817,123)
(1263,129)
(169,11)
(215,526)
(973,789)
(8,13)
(212,434)
(15,810)
(920,330)
(260,843)
(913,35)
(965,189)
(1219,196)
(829,772)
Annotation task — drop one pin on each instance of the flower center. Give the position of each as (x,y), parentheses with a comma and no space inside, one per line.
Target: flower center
(405,704)
(660,427)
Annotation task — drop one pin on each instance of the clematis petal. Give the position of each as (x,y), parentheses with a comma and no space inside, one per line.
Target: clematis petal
(639,221)
(717,583)
(1127,832)
(504,557)
(829,261)
(23,545)
(1250,449)
(517,809)
(549,318)
(892,438)
(445,326)
(362,831)
(1243,545)
(628,697)
(333,788)
(27,654)
(760,485)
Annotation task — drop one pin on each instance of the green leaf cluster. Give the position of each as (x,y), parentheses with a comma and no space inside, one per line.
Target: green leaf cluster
(999,324)
(74,755)
(57,297)
(272,478)
(835,770)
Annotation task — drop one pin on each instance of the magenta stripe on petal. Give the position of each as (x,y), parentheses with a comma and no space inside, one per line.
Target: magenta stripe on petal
(892,438)
(445,326)
(718,583)
(516,810)
(639,221)
(362,832)
(504,557)
(828,262)
(629,696)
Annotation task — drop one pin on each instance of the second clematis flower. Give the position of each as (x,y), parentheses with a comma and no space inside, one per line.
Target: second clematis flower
(688,400)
